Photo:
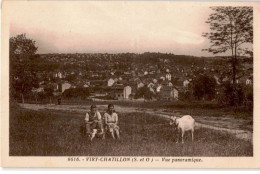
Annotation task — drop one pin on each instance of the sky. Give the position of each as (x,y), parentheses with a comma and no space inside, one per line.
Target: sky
(113,27)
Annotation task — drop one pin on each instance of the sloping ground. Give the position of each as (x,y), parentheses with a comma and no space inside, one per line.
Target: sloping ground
(57,133)
(239,127)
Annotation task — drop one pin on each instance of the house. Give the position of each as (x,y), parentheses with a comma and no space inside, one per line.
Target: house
(110,82)
(150,85)
(123,82)
(55,75)
(60,75)
(140,85)
(152,72)
(175,93)
(65,86)
(57,87)
(98,83)
(115,79)
(168,93)
(57,94)
(127,91)
(133,85)
(186,83)
(120,92)
(37,90)
(155,80)
(249,82)
(168,76)
(87,83)
(158,88)
(162,77)
(127,73)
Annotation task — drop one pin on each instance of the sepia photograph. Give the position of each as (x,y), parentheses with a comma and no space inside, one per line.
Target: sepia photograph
(132,83)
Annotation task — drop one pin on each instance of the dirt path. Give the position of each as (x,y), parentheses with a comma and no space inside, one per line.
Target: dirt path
(225,124)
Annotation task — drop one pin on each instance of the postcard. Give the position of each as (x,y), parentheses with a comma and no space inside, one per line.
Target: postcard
(129,84)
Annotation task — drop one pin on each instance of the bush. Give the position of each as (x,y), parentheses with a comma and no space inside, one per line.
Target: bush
(82,93)
(186,96)
(144,92)
(236,95)
(204,87)
(249,96)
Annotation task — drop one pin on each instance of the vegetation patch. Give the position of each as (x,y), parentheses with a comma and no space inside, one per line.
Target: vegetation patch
(49,133)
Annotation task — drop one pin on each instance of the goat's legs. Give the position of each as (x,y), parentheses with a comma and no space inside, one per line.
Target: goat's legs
(192,131)
(178,136)
(182,135)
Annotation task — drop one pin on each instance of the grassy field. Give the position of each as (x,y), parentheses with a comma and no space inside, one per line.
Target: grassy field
(48,133)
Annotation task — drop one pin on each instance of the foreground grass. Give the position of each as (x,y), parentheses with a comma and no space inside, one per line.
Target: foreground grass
(57,134)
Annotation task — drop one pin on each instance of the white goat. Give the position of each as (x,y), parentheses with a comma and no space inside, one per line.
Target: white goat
(183,124)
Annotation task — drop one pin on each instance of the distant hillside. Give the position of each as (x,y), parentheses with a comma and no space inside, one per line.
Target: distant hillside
(127,61)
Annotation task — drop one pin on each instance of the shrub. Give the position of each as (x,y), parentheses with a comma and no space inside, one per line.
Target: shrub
(144,92)
(236,95)
(204,87)
(82,93)
(186,96)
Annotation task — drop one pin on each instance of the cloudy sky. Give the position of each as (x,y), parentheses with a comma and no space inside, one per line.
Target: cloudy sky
(113,27)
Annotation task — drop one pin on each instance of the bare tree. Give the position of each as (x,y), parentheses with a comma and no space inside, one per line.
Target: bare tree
(231,27)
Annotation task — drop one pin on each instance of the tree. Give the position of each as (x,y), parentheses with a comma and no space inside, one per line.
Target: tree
(20,47)
(48,91)
(204,87)
(71,77)
(231,27)
(83,93)
(231,95)
(22,72)
(145,93)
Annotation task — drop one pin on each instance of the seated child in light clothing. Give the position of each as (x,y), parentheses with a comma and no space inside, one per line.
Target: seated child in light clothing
(111,121)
